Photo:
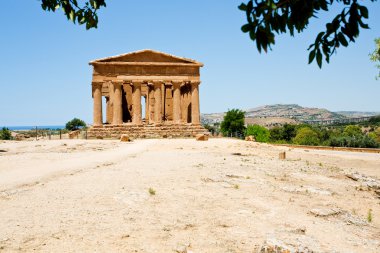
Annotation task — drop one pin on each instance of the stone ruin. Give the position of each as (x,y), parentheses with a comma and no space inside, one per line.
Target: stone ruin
(167,85)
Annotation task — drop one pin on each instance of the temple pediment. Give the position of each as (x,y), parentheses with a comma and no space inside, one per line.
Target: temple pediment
(146,56)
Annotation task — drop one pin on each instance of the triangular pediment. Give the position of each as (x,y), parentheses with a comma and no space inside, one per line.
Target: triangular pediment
(147,55)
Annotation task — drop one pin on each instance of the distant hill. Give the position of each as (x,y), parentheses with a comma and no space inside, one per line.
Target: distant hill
(271,115)
(355,114)
(292,111)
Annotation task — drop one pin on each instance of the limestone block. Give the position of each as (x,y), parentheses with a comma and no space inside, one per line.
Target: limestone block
(201,137)
(250,138)
(74,134)
(124,138)
(282,155)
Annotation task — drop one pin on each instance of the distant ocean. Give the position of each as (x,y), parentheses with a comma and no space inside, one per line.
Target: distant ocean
(24,128)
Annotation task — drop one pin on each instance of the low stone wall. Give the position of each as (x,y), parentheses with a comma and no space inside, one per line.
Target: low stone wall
(364,150)
(145,131)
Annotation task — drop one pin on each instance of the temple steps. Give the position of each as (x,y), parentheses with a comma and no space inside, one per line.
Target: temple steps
(145,131)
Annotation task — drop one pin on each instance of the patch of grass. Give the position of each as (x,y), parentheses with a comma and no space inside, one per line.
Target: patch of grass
(236,186)
(307,163)
(320,164)
(369,216)
(247,177)
(152,191)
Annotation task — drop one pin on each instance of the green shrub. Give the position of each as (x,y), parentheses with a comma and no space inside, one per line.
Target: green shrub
(306,136)
(276,134)
(75,124)
(233,122)
(375,134)
(5,134)
(289,132)
(261,133)
(352,130)
(362,141)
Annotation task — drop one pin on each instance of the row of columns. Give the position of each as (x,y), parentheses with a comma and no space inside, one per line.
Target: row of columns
(115,90)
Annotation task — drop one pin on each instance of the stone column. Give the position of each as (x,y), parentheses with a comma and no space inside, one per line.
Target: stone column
(195,115)
(97,95)
(147,106)
(117,104)
(136,103)
(157,103)
(177,115)
(108,110)
(151,103)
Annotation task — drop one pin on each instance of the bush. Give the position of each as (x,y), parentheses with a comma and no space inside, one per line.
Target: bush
(211,129)
(362,141)
(306,136)
(233,122)
(352,130)
(261,133)
(5,134)
(75,124)
(375,134)
(289,132)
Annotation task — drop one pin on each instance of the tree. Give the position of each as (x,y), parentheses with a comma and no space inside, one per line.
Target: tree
(306,136)
(375,135)
(261,133)
(352,131)
(82,14)
(289,132)
(75,124)
(267,17)
(5,134)
(233,122)
(264,19)
(375,56)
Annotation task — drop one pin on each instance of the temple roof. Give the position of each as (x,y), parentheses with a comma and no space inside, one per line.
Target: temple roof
(146,56)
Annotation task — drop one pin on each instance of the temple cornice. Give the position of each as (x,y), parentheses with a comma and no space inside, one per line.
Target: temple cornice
(169,64)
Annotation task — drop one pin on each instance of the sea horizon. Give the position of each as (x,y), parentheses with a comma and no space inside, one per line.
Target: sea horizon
(26,128)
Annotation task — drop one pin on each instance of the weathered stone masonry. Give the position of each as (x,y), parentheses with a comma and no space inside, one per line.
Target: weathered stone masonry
(168,85)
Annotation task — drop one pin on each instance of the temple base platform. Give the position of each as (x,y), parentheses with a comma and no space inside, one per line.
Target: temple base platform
(166,130)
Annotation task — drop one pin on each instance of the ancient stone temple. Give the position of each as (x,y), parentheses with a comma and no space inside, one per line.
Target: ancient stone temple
(166,86)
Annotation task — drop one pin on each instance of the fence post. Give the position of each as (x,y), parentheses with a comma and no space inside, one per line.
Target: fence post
(60,134)
(36,134)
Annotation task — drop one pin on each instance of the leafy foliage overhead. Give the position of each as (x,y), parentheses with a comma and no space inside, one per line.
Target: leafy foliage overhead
(267,17)
(375,55)
(83,14)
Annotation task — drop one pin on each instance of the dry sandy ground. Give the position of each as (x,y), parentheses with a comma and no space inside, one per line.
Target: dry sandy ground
(222,195)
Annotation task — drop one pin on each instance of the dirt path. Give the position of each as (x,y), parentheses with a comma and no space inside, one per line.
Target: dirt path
(218,196)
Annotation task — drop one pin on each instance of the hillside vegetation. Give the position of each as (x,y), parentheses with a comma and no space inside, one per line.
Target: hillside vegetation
(361,135)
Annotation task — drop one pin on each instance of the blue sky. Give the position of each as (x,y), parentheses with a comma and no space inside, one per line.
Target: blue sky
(45,77)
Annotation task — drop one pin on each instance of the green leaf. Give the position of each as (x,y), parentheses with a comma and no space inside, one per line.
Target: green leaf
(311,56)
(319,58)
(364,11)
(72,15)
(246,28)
(252,35)
(243,7)
(319,36)
(342,39)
